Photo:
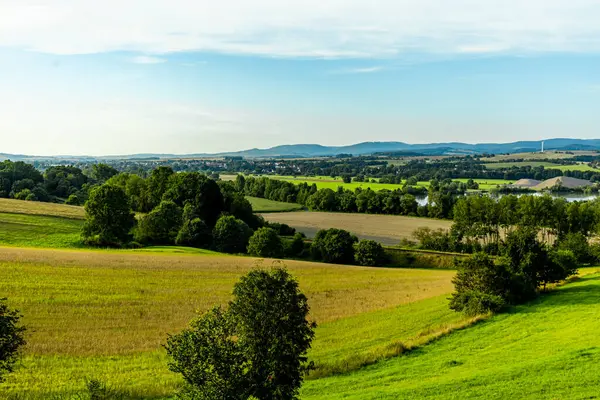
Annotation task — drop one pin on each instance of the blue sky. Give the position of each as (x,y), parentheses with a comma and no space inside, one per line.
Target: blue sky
(122,77)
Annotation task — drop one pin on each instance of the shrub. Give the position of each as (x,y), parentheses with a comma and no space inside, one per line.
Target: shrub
(481,285)
(231,235)
(295,247)
(11,338)
(265,242)
(334,246)
(109,218)
(578,244)
(25,194)
(440,239)
(255,349)
(73,200)
(194,233)
(281,229)
(370,253)
(161,225)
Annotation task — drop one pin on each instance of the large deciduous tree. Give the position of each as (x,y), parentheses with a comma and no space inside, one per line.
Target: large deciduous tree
(109,219)
(257,348)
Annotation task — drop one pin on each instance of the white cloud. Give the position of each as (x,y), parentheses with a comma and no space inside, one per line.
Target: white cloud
(148,60)
(364,70)
(302,28)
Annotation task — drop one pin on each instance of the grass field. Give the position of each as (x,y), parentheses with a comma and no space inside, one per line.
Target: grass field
(266,206)
(39,230)
(105,314)
(39,208)
(545,164)
(387,229)
(544,350)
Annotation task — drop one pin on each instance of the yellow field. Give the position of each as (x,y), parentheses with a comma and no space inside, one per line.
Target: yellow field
(39,208)
(107,314)
(388,229)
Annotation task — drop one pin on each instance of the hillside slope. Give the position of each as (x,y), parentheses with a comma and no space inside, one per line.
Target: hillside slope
(548,349)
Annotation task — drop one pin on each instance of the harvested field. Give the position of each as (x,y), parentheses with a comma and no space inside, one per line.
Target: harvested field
(387,229)
(39,208)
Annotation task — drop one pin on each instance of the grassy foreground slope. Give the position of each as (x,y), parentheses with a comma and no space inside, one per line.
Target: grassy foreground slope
(105,314)
(548,349)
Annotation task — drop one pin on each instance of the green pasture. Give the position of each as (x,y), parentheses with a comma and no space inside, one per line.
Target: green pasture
(547,349)
(23,230)
(266,206)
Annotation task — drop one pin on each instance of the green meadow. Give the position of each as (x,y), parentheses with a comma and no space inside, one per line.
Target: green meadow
(547,349)
(267,206)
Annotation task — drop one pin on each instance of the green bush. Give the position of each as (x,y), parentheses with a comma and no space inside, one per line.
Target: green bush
(578,244)
(295,247)
(370,253)
(194,233)
(265,242)
(481,285)
(161,225)
(334,246)
(73,200)
(231,235)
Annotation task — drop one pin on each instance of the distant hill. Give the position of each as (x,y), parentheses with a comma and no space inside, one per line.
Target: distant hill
(365,148)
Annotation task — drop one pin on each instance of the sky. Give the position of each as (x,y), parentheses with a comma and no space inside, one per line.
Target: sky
(110,77)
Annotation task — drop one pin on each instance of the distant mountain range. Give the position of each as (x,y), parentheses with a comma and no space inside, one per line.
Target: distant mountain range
(365,148)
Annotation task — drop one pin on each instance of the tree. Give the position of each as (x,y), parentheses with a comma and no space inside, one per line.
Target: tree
(295,247)
(578,244)
(194,233)
(102,172)
(481,285)
(265,242)
(158,184)
(109,219)
(370,253)
(273,329)
(209,358)
(256,348)
(200,191)
(559,265)
(161,225)
(334,246)
(231,235)
(11,338)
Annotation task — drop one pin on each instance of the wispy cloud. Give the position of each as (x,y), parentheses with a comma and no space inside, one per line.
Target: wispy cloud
(303,28)
(364,70)
(148,60)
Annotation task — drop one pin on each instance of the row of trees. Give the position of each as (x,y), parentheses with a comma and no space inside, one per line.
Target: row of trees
(442,196)
(22,181)
(481,222)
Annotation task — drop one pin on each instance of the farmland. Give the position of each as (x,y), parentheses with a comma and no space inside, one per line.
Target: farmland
(388,229)
(545,164)
(105,314)
(331,183)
